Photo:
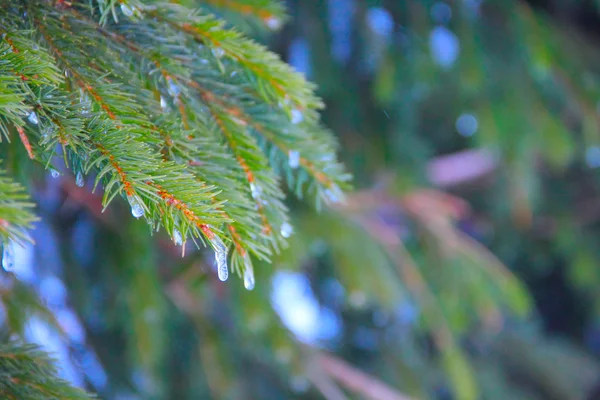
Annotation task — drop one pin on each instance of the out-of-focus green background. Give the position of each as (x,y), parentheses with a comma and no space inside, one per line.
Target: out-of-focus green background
(464,265)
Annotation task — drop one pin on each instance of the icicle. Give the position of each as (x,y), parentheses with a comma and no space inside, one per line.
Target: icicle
(137,210)
(286,230)
(55,174)
(255,190)
(33,118)
(79,179)
(273,23)
(218,52)
(220,257)
(163,103)
(248,273)
(297,116)
(127,10)
(177,238)
(8,256)
(294,159)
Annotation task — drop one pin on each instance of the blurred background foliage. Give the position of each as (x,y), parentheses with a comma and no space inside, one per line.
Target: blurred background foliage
(464,266)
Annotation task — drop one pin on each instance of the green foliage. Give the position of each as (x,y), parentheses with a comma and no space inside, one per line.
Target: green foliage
(28,373)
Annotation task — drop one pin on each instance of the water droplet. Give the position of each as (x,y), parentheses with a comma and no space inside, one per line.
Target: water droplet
(255,190)
(273,23)
(137,210)
(55,174)
(33,118)
(234,73)
(79,179)
(220,257)
(8,256)
(163,103)
(248,273)
(218,52)
(294,159)
(297,116)
(466,125)
(177,238)
(127,10)
(66,73)
(286,230)
(333,194)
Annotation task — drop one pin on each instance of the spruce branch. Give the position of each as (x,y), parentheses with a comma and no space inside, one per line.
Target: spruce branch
(26,372)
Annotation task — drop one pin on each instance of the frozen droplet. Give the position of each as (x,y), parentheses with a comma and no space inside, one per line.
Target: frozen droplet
(333,194)
(294,159)
(79,179)
(255,190)
(248,273)
(273,23)
(297,116)
(466,125)
(86,103)
(286,230)
(233,73)
(54,173)
(173,89)
(218,52)
(33,118)
(163,103)
(177,238)
(67,73)
(220,257)
(127,10)
(8,256)
(137,210)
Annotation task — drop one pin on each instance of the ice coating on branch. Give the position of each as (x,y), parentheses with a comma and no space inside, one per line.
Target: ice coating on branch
(33,118)
(248,273)
(294,159)
(220,257)
(297,116)
(55,174)
(218,52)
(8,256)
(177,238)
(286,230)
(79,179)
(137,210)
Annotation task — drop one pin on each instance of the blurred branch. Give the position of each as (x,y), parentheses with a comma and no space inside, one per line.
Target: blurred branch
(461,168)
(357,380)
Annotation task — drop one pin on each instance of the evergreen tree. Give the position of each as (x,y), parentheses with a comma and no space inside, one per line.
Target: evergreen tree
(162,147)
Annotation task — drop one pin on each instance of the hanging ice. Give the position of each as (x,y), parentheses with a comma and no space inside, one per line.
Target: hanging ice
(273,23)
(286,230)
(218,52)
(33,118)
(55,174)
(297,116)
(79,179)
(8,256)
(177,237)
(137,210)
(220,257)
(127,10)
(294,159)
(248,274)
